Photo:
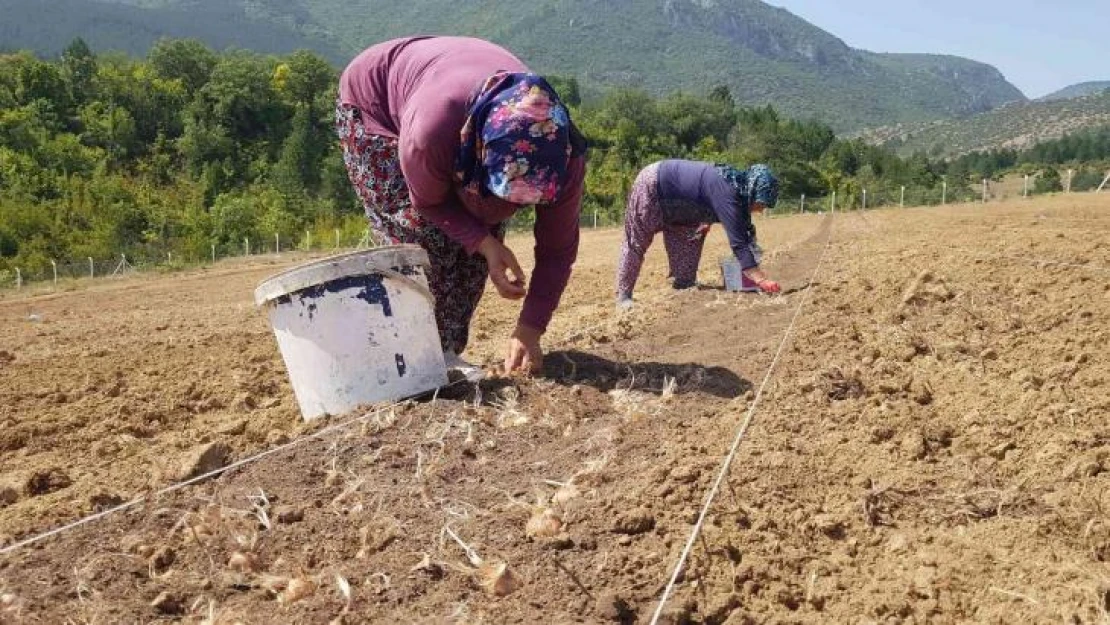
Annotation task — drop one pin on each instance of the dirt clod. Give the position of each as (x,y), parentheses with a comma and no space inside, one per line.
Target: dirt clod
(168,603)
(999,451)
(634,522)
(610,606)
(678,614)
(203,459)
(686,474)
(9,494)
(829,525)
(289,514)
(162,559)
(233,428)
(104,501)
(914,446)
(46,481)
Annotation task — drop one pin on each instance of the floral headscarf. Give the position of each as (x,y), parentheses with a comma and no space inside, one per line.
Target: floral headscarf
(755,184)
(516,141)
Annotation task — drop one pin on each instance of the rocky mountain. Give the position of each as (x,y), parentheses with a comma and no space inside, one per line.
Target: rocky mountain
(766,55)
(1017,125)
(1078,90)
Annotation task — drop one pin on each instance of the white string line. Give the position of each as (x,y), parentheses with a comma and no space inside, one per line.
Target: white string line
(727,463)
(239,463)
(200,478)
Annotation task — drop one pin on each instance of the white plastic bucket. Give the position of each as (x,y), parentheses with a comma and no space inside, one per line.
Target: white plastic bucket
(356,329)
(734,277)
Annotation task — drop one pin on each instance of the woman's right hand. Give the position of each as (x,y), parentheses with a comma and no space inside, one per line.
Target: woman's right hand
(504,271)
(756,275)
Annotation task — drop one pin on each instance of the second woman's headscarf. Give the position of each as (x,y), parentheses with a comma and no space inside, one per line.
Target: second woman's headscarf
(754,184)
(517,140)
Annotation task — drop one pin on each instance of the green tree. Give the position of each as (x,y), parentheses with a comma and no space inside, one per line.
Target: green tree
(111,128)
(689,119)
(79,68)
(187,60)
(38,81)
(1048,181)
(303,76)
(297,170)
(568,89)
(722,95)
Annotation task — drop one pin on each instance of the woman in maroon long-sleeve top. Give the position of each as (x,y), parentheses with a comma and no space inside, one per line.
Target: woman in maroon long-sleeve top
(445,138)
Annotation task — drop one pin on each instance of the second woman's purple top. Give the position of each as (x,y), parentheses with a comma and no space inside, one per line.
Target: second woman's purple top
(693,192)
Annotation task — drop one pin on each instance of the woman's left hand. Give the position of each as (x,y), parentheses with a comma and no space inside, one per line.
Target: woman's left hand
(524,354)
(504,271)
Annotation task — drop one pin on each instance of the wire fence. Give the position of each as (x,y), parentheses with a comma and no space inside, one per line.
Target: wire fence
(155,258)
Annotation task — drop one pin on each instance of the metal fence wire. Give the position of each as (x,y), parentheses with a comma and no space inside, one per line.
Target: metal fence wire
(155,257)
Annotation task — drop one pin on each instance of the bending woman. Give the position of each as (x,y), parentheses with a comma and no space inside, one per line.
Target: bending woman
(444,139)
(677,197)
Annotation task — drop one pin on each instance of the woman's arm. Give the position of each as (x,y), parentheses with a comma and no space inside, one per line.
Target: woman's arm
(737,222)
(557,234)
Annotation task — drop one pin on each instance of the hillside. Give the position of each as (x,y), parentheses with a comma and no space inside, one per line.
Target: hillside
(46,27)
(766,55)
(1018,125)
(1078,90)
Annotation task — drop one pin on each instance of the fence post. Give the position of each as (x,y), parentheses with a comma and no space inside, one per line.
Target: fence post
(865,199)
(803,204)
(832,202)
(984,190)
(123,266)
(213,253)
(902,198)
(18,279)
(307,240)
(1068,189)
(92,268)
(54,266)
(277,243)
(595,218)
(944,192)
(169,258)
(246,246)
(1103,184)
(337,238)
(1025,190)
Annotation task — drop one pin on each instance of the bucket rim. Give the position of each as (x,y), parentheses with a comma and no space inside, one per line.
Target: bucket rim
(347,264)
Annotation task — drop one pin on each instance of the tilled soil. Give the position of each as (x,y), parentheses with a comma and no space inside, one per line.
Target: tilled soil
(933,445)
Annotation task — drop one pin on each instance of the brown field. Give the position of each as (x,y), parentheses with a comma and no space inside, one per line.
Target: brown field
(933,445)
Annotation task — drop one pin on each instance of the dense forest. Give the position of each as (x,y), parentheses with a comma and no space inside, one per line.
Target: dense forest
(187,152)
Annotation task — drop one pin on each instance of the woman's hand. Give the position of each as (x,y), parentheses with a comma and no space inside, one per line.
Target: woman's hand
(769,286)
(524,354)
(504,271)
(765,284)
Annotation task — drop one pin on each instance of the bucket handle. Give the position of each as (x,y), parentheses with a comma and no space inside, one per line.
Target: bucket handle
(393,274)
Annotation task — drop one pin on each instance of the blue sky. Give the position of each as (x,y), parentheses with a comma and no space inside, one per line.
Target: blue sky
(1040,47)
